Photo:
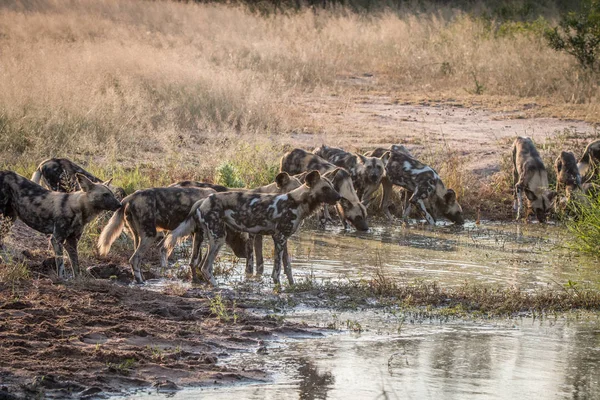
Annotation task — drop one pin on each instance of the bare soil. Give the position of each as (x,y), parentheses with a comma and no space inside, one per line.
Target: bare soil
(481,130)
(92,337)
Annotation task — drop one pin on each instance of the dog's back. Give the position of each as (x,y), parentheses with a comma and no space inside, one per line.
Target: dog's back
(58,174)
(196,184)
(589,163)
(298,161)
(567,173)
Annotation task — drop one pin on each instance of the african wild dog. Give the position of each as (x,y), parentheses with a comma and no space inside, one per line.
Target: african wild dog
(366,172)
(395,148)
(425,187)
(283,184)
(589,163)
(256,213)
(349,207)
(530,176)
(58,174)
(61,215)
(567,173)
(148,211)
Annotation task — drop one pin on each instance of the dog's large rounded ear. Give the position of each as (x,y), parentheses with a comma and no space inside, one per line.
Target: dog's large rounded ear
(362,158)
(84,183)
(450,196)
(334,173)
(385,157)
(551,195)
(312,178)
(107,183)
(282,179)
(558,164)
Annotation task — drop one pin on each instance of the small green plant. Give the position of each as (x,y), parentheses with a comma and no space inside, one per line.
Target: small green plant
(157,355)
(228,175)
(122,368)
(218,308)
(478,86)
(578,34)
(14,272)
(354,326)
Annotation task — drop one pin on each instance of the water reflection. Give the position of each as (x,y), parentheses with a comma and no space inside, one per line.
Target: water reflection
(313,383)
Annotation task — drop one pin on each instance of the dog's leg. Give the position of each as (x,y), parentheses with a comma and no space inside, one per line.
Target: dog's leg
(385,198)
(519,199)
(195,262)
(71,247)
(287,264)
(162,252)
(58,256)
(340,213)
(258,252)
(324,216)
(428,216)
(214,245)
(368,195)
(280,242)
(136,258)
(250,254)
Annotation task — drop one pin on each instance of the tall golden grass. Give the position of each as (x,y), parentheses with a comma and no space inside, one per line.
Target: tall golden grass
(121,78)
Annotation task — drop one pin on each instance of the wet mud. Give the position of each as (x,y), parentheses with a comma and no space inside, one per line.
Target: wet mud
(92,338)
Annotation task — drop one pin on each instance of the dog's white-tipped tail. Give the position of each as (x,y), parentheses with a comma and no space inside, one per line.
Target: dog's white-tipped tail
(184,229)
(111,231)
(37,176)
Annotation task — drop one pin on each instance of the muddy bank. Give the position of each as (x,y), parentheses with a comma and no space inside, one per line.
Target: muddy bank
(90,338)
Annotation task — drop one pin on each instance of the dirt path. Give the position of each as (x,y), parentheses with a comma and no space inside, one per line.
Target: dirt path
(86,338)
(480,135)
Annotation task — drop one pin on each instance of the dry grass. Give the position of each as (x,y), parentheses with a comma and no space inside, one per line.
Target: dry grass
(132,78)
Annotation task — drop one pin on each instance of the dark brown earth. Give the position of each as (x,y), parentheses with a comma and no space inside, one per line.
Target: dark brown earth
(88,338)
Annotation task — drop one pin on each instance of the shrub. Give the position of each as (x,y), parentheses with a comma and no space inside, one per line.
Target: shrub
(585,228)
(578,34)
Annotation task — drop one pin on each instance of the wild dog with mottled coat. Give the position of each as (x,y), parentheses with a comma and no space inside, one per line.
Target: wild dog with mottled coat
(530,176)
(425,187)
(589,163)
(265,214)
(61,215)
(367,172)
(349,207)
(58,174)
(147,212)
(567,173)
(283,183)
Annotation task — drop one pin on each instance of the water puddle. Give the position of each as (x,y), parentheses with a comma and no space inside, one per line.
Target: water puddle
(393,358)
(371,354)
(526,256)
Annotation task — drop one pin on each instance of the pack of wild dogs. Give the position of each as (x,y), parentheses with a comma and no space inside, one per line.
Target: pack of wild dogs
(61,198)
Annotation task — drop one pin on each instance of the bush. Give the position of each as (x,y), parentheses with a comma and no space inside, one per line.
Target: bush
(578,34)
(585,228)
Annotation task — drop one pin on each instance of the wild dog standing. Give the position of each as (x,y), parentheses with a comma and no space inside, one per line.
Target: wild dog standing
(255,213)
(385,182)
(283,184)
(567,173)
(148,211)
(349,207)
(58,174)
(589,163)
(530,176)
(366,171)
(62,215)
(425,188)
